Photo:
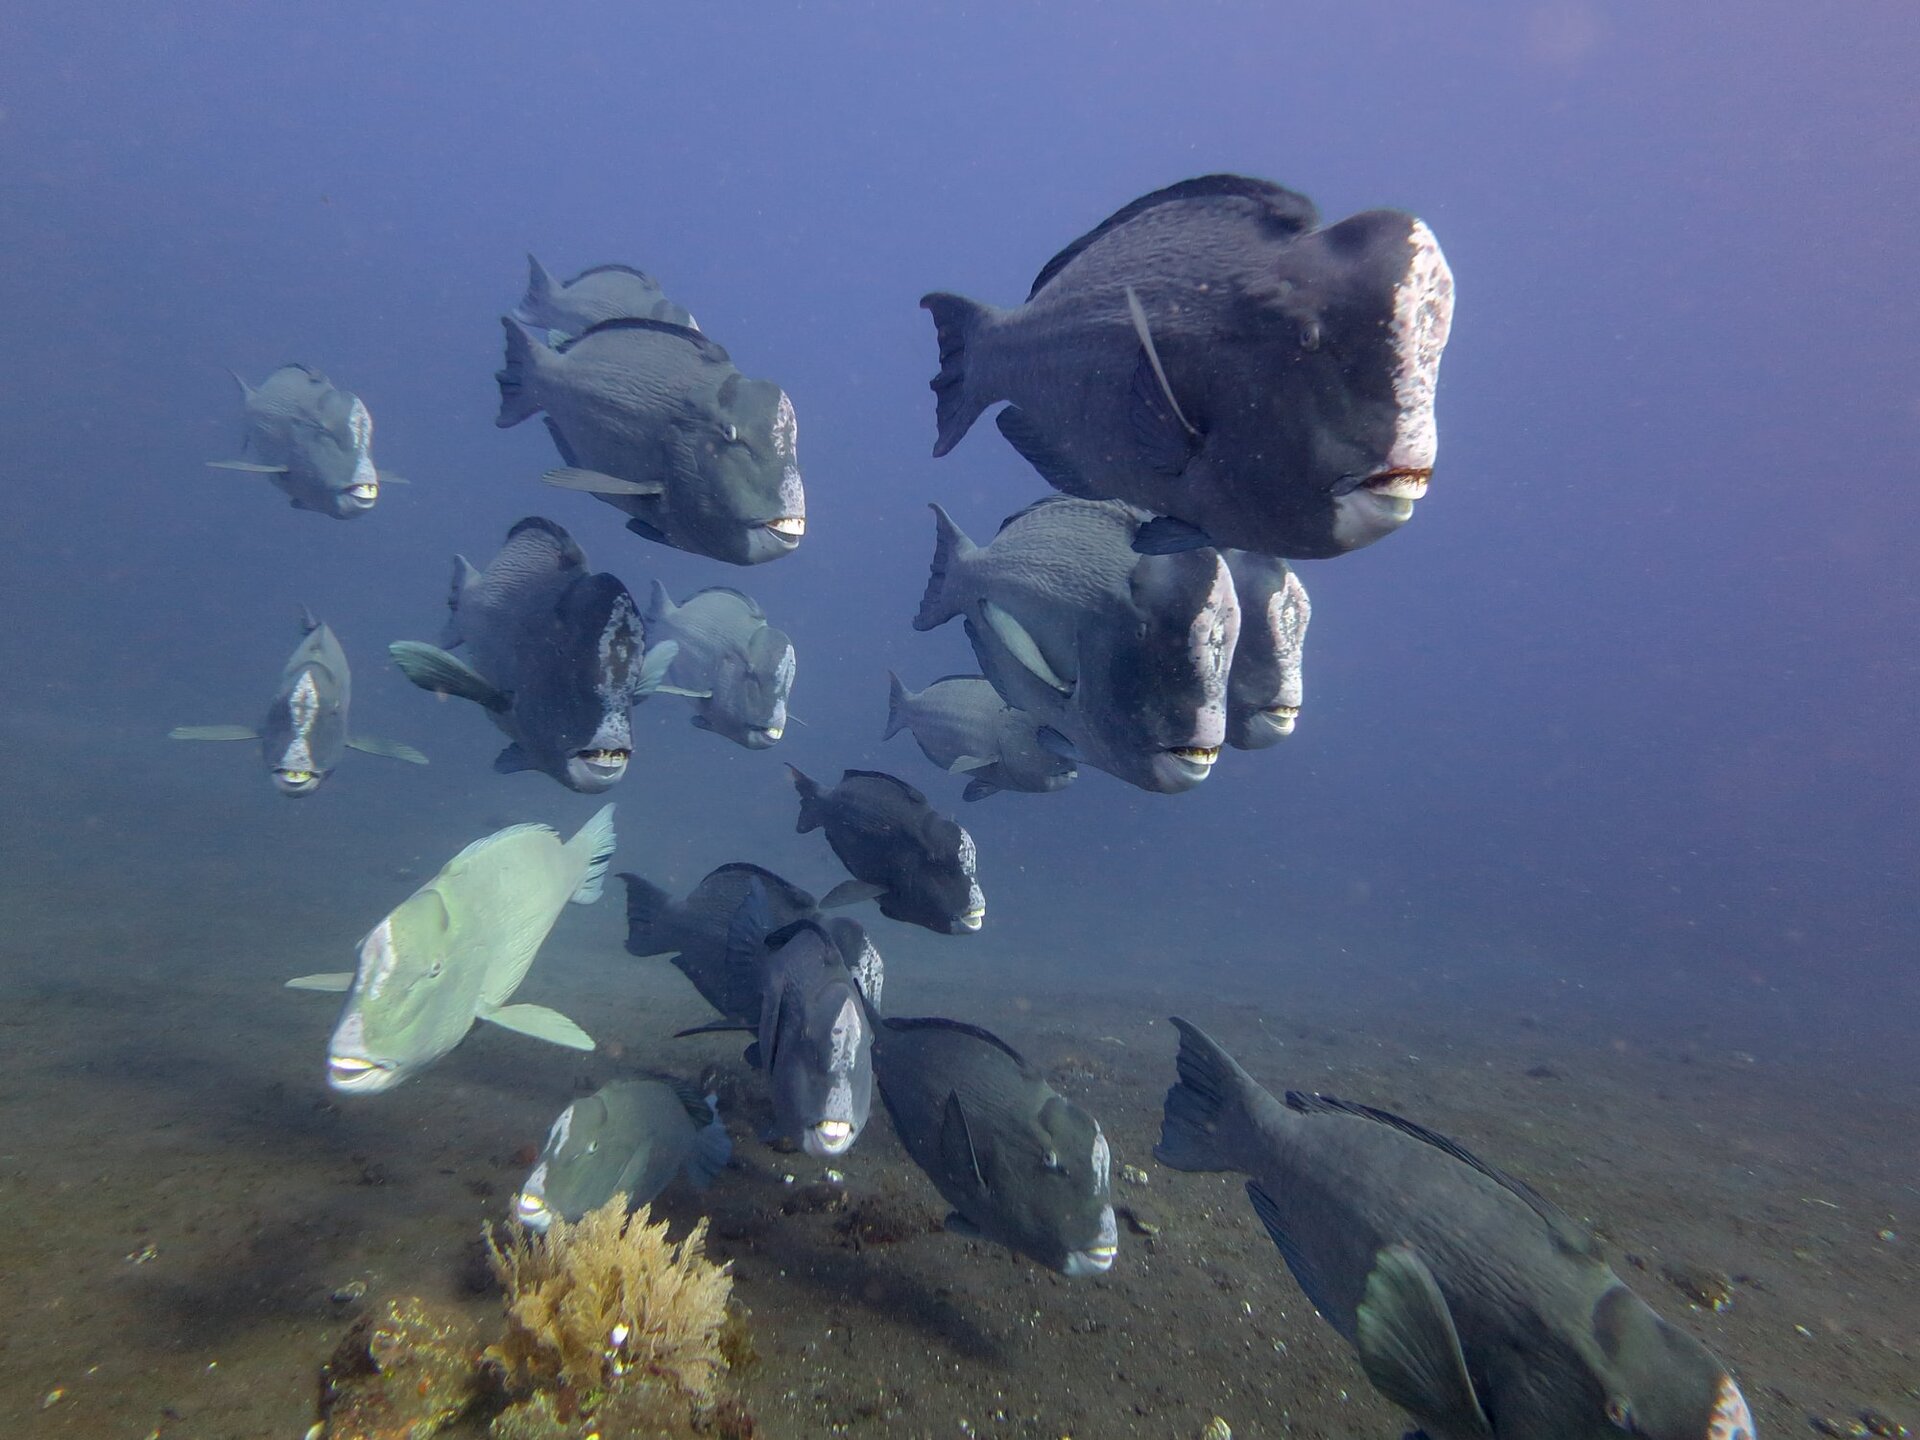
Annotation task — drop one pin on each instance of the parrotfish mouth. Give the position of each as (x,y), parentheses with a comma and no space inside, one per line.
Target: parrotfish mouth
(297,782)
(531,1211)
(354,1072)
(761,736)
(1196,760)
(605,764)
(974,918)
(365,490)
(1731,1420)
(1097,1258)
(789,528)
(834,1137)
(1281,717)
(1406,482)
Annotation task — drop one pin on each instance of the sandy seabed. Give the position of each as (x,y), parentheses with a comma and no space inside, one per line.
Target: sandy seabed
(185,1198)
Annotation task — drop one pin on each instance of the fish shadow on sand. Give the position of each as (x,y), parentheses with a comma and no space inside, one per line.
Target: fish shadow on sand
(752,1227)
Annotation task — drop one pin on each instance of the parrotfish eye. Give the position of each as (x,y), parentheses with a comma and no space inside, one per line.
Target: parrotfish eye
(434,972)
(593,1147)
(1619,1413)
(733,433)
(1310,334)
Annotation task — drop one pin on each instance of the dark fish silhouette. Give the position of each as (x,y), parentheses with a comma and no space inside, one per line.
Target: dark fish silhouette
(1213,354)
(915,862)
(1474,1303)
(312,440)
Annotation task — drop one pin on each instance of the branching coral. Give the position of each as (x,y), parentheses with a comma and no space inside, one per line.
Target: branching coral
(608,1302)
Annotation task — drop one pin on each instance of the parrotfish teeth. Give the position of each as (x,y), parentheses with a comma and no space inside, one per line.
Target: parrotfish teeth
(1407,484)
(1197,754)
(792,526)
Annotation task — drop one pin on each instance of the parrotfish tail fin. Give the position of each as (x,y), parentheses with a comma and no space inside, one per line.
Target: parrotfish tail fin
(711,1149)
(307,623)
(896,707)
(465,581)
(538,300)
(659,605)
(950,547)
(593,843)
(517,401)
(810,816)
(1207,1121)
(646,903)
(956,322)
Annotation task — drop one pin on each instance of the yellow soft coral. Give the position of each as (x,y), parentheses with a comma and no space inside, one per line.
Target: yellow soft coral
(609,1301)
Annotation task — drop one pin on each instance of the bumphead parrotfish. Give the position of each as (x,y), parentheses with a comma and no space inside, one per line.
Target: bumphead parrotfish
(311,439)
(605,292)
(655,420)
(305,732)
(1212,353)
(1474,1303)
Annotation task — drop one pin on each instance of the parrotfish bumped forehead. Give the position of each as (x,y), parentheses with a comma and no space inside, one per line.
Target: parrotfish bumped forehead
(365,484)
(1422,321)
(297,772)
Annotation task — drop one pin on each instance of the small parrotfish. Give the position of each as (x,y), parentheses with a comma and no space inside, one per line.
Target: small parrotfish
(313,441)
(630,1137)
(305,732)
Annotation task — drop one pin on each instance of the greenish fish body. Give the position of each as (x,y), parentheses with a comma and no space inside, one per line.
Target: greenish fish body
(456,950)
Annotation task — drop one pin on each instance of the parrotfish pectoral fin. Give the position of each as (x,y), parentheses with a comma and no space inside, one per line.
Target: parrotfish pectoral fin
(337,983)
(1038,452)
(970,762)
(1138,313)
(573,477)
(688,694)
(387,477)
(1164,535)
(979,790)
(1056,744)
(960,1159)
(512,760)
(710,1154)
(540,1023)
(958,1224)
(714,1027)
(648,532)
(392,749)
(851,892)
(1012,634)
(247,467)
(653,669)
(1409,1347)
(432,668)
(213,732)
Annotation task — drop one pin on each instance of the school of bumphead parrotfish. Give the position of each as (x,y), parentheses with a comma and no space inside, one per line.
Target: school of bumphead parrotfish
(1215,384)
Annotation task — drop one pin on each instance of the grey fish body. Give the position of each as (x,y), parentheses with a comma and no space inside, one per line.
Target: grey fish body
(1285,403)
(815,1041)
(305,730)
(605,292)
(1264,689)
(655,420)
(961,723)
(694,931)
(1021,1165)
(630,1137)
(305,733)
(555,654)
(888,836)
(1474,1303)
(727,650)
(1124,656)
(312,440)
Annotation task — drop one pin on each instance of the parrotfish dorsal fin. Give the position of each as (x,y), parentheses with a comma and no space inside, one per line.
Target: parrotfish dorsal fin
(1568,1233)
(1285,210)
